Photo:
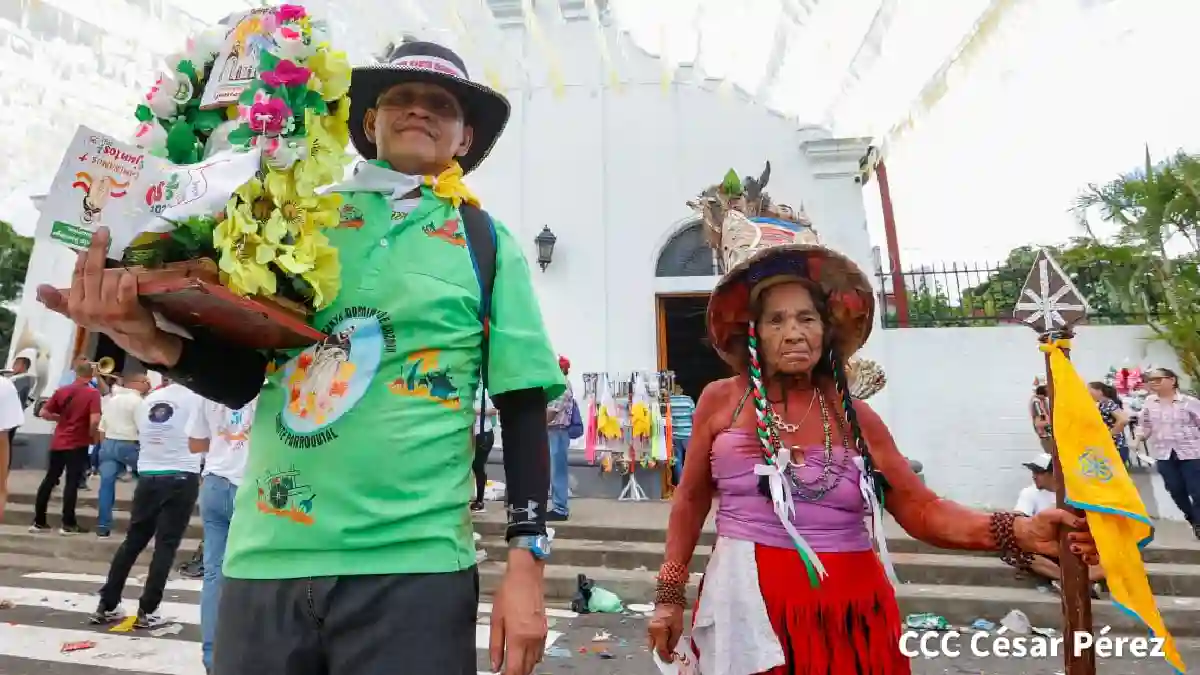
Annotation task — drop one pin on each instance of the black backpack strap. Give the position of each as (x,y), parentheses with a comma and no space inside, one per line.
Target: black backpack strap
(481,243)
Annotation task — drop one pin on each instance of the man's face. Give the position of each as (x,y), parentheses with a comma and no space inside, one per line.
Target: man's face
(1044,480)
(138,383)
(418,128)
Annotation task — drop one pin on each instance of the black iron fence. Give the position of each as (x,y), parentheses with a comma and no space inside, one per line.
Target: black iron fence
(966,294)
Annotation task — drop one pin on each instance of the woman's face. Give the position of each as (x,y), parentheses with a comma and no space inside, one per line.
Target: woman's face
(1096,393)
(791,335)
(1158,383)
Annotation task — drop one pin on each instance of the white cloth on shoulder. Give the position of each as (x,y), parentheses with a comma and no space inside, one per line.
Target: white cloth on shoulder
(733,632)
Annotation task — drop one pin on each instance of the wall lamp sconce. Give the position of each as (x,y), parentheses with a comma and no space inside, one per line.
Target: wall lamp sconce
(545,247)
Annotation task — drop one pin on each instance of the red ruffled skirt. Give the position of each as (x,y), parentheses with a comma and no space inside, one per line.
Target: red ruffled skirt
(849,625)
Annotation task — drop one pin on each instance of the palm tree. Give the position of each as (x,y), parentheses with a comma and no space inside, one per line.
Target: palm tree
(1157,212)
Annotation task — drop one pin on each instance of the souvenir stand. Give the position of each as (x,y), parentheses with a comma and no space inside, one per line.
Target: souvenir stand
(627,424)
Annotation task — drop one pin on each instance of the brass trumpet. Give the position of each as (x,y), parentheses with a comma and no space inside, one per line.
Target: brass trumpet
(105,366)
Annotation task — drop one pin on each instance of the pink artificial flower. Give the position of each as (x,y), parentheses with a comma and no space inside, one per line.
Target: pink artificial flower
(289,33)
(270,117)
(288,13)
(244,114)
(287,74)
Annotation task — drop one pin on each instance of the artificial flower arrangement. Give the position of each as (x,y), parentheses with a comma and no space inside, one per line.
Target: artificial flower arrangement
(268,82)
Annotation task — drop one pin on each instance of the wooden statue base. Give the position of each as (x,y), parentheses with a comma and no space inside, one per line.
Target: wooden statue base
(190,294)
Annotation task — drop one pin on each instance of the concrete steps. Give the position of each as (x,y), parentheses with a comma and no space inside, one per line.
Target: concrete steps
(621,553)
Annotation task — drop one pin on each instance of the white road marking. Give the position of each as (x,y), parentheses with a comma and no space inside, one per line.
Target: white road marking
(189,613)
(116,651)
(193,585)
(486,608)
(65,601)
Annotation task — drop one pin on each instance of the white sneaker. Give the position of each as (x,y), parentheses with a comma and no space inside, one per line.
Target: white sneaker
(480,556)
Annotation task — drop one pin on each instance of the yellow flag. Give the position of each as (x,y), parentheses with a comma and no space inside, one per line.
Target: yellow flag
(1097,482)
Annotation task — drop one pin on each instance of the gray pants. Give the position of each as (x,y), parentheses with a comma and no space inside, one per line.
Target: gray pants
(397,624)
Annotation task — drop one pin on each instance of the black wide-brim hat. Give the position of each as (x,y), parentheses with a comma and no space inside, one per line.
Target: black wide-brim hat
(486,110)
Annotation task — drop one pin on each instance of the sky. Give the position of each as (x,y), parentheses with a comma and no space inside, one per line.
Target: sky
(1063,93)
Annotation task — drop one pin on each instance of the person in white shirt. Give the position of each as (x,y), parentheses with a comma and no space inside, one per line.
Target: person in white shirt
(12,415)
(1038,497)
(162,502)
(223,434)
(119,449)
(485,439)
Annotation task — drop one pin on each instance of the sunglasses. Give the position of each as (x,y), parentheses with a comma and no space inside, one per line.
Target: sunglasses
(439,103)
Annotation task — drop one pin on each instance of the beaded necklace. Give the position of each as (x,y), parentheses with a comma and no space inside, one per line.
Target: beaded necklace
(768,423)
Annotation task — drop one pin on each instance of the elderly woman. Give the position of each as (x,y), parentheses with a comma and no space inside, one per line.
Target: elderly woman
(795,463)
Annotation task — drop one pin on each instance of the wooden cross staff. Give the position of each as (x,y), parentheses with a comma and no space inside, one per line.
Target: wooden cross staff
(1051,305)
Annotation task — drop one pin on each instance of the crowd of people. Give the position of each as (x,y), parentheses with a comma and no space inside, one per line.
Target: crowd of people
(1167,426)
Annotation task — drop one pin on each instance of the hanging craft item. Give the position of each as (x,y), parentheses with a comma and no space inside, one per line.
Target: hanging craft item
(608,425)
(554,69)
(639,409)
(589,424)
(865,378)
(610,71)
(214,204)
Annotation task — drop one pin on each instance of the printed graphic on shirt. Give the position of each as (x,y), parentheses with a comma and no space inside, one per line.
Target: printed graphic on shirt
(236,429)
(285,494)
(326,380)
(161,412)
(350,216)
(423,378)
(449,232)
(399,216)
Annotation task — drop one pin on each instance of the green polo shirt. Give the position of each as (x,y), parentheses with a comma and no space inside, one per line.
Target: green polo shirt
(360,455)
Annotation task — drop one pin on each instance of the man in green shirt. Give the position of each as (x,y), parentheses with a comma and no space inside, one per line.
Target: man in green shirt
(350,550)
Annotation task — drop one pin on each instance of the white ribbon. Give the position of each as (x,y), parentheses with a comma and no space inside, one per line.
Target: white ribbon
(785,508)
(371,178)
(876,518)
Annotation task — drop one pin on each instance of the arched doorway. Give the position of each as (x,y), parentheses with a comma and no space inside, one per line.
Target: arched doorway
(686,262)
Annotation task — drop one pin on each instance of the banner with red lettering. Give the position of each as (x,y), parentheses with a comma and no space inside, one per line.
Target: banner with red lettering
(103,181)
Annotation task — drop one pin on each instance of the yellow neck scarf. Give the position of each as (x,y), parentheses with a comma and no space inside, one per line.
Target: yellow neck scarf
(450,186)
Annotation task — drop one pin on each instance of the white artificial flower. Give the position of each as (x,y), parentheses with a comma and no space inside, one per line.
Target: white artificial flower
(218,140)
(290,46)
(170,91)
(151,137)
(281,154)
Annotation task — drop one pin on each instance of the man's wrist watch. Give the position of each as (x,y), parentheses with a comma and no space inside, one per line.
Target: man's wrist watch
(538,546)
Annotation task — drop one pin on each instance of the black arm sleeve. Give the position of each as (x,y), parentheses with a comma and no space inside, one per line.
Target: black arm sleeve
(526,459)
(218,371)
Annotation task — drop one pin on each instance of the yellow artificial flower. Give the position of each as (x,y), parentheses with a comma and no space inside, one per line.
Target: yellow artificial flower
(275,228)
(280,184)
(250,190)
(243,268)
(325,277)
(450,186)
(337,125)
(326,160)
(330,74)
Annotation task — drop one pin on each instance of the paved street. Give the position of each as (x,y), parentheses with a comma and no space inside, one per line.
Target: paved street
(48,610)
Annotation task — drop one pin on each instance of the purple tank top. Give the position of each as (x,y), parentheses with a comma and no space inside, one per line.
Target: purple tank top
(834,523)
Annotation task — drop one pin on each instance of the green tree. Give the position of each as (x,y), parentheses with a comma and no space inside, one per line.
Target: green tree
(1104,273)
(929,306)
(1157,213)
(14,263)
